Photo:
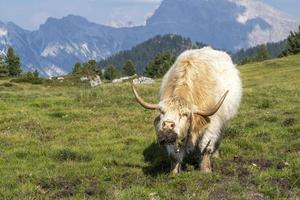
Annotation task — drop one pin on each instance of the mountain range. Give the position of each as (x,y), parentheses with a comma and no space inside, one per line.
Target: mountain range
(225,24)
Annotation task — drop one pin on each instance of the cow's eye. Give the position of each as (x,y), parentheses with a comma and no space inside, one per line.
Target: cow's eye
(185,115)
(161,111)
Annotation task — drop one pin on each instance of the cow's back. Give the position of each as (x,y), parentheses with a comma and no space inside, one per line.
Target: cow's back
(203,76)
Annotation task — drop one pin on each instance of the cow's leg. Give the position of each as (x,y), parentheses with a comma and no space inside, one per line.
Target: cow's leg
(210,143)
(205,164)
(176,158)
(175,166)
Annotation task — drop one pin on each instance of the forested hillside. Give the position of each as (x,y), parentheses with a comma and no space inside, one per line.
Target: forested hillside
(146,51)
(273,51)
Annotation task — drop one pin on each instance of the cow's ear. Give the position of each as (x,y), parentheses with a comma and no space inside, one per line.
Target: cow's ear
(199,123)
(207,119)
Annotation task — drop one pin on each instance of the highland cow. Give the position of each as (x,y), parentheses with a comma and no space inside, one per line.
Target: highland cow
(199,95)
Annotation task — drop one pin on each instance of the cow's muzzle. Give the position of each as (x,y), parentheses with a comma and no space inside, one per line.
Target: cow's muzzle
(167,138)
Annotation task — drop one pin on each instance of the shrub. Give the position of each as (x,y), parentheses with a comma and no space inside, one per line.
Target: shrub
(28,77)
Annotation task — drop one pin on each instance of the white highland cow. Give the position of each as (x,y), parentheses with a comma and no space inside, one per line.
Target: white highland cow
(199,94)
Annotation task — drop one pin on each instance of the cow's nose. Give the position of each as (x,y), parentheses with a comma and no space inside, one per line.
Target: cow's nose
(168,125)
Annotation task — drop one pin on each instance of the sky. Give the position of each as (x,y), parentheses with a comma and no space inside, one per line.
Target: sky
(29,14)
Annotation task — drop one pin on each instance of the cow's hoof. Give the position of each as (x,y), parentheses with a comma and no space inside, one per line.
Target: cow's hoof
(176,168)
(206,170)
(205,167)
(216,154)
(175,171)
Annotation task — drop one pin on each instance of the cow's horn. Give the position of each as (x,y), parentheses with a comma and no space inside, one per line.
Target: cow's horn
(213,110)
(142,102)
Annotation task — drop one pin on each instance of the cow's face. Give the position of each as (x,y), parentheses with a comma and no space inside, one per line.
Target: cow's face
(175,119)
(173,123)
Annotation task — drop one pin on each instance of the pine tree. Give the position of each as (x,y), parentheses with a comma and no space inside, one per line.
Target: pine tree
(36,74)
(92,65)
(111,72)
(3,67)
(77,68)
(13,63)
(90,68)
(262,53)
(159,65)
(129,68)
(293,44)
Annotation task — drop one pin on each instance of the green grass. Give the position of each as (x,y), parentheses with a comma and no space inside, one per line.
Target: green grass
(75,142)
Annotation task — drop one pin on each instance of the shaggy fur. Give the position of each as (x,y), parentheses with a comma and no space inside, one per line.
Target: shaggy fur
(198,79)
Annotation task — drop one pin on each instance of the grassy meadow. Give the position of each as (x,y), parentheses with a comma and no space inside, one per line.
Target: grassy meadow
(63,141)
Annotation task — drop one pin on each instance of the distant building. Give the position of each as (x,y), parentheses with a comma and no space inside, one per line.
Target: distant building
(143,80)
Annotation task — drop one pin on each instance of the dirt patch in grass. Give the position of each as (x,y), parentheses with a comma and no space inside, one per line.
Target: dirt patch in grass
(227,169)
(281,165)
(238,165)
(92,189)
(66,187)
(293,150)
(66,192)
(290,121)
(239,159)
(255,195)
(283,183)
(181,188)
(219,194)
(262,163)
(126,182)
(243,174)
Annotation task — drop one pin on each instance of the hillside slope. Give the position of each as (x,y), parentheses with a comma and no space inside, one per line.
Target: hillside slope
(76,142)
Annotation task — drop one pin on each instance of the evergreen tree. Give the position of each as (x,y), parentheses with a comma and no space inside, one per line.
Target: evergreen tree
(13,63)
(244,56)
(262,53)
(246,60)
(36,74)
(90,68)
(129,68)
(111,72)
(159,65)
(3,67)
(77,68)
(293,44)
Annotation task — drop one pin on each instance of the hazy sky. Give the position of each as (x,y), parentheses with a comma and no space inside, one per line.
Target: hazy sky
(30,14)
